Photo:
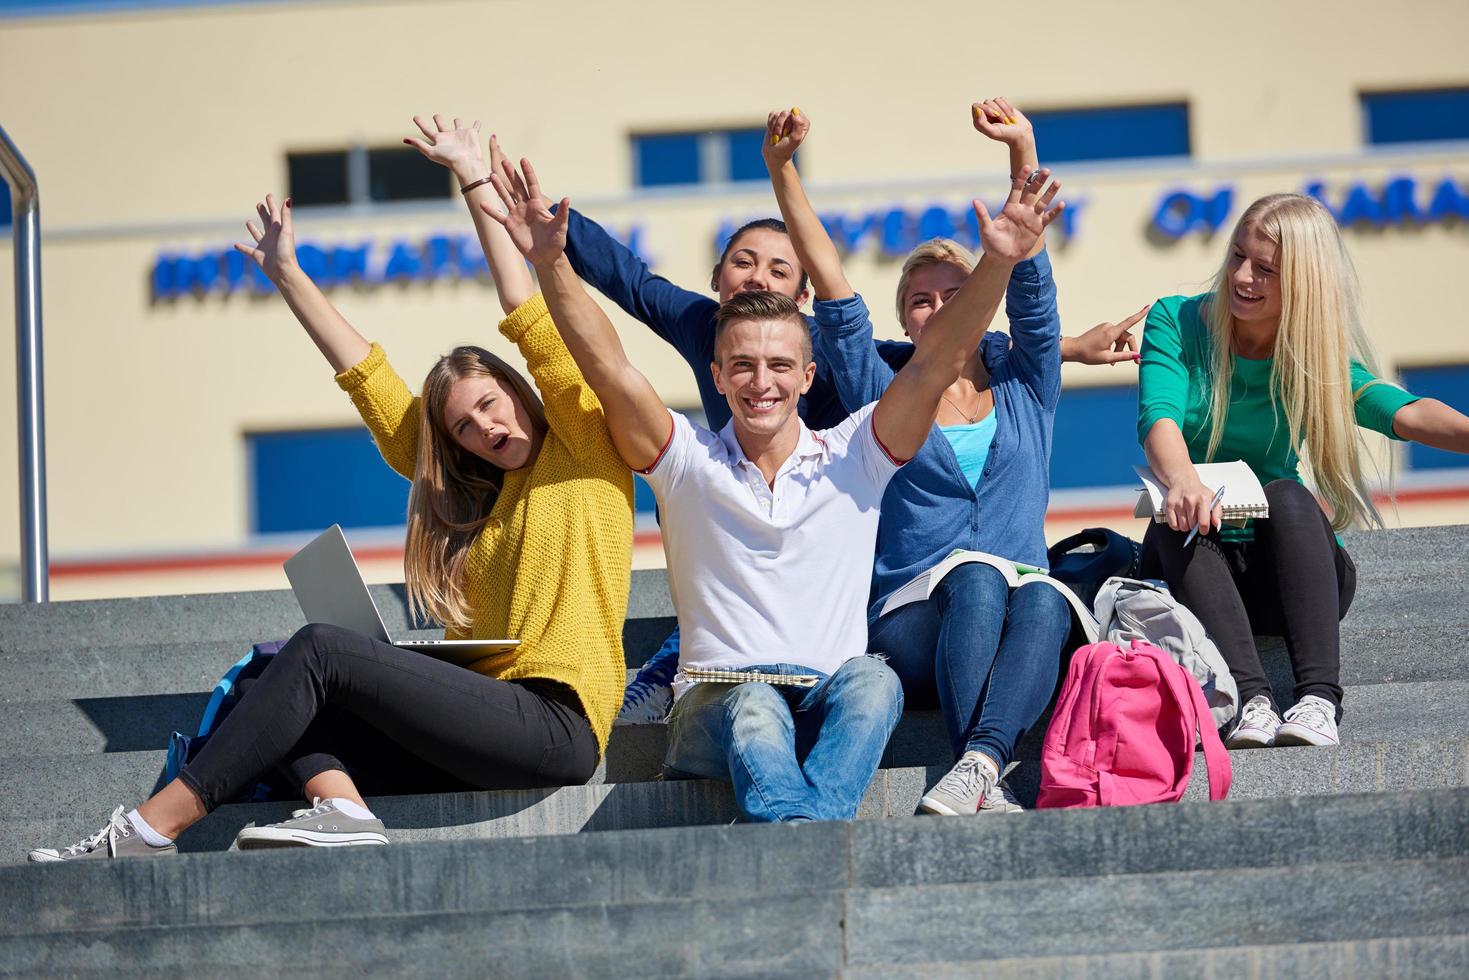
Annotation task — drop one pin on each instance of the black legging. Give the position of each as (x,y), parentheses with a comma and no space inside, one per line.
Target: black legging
(1293,580)
(404,721)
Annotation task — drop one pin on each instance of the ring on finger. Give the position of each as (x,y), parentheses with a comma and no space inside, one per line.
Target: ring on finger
(1034,176)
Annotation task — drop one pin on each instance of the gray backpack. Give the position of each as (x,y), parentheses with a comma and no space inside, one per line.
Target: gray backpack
(1143,609)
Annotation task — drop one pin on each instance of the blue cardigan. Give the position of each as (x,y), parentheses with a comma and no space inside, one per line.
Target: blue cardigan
(930,508)
(686,320)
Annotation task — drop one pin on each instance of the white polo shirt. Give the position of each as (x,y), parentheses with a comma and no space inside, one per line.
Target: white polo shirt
(780,573)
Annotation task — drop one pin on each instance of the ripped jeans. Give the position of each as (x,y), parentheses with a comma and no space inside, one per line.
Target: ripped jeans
(791,753)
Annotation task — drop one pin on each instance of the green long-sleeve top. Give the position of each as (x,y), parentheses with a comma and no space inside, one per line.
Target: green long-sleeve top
(1173,384)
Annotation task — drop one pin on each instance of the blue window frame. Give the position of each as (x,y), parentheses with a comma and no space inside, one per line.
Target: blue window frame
(699,157)
(1449,383)
(1094,442)
(1112,132)
(1416,117)
(306,480)
(5,214)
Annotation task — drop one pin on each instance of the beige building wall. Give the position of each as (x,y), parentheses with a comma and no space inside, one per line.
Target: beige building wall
(156,130)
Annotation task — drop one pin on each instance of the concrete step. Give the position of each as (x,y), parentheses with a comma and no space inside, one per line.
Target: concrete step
(810,931)
(1411,958)
(972,923)
(737,862)
(62,806)
(235,617)
(137,728)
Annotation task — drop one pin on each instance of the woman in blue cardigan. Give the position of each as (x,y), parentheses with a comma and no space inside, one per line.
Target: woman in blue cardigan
(989,657)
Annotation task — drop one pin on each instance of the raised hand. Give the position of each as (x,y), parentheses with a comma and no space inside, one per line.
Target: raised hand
(1027,212)
(785,130)
(454,146)
(1107,343)
(539,234)
(1002,122)
(275,241)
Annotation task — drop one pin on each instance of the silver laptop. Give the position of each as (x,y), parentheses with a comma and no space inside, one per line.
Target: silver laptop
(329,586)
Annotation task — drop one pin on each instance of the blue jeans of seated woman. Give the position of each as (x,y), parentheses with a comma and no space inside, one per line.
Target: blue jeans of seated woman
(989,656)
(791,753)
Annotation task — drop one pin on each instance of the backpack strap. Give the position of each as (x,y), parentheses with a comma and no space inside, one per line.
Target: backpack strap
(1186,691)
(221,691)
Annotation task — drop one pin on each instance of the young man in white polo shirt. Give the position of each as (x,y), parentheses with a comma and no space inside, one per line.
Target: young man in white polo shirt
(769,527)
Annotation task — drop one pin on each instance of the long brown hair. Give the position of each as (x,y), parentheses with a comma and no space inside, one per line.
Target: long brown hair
(453,489)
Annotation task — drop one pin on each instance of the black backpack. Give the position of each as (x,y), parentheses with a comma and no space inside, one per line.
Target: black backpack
(1088,558)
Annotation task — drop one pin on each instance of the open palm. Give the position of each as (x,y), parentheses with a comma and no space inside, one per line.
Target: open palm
(275,240)
(539,234)
(457,148)
(1026,214)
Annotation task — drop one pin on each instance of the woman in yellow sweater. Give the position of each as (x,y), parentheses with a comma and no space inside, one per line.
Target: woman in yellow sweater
(519,525)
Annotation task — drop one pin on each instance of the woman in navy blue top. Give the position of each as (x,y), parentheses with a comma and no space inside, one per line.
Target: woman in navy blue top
(988,656)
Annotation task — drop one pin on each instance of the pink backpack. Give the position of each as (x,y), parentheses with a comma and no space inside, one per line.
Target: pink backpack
(1124,731)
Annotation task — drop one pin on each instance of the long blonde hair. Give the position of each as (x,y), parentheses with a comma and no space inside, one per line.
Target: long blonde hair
(453,490)
(1320,335)
(935,251)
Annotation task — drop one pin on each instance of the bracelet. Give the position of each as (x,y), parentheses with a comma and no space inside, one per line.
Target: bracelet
(469,187)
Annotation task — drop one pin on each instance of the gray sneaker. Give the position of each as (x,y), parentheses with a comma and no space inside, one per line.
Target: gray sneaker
(962,789)
(323,825)
(116,839)
(1001,801)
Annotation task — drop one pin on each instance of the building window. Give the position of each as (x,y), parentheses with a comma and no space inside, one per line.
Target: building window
(308,479)
(1449,383)
(712,156)
(1094,441)
(5,214)
(317,178)
(1112,132)
(360,175)
(1416,117)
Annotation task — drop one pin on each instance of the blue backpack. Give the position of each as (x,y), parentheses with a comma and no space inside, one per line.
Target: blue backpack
(183,748)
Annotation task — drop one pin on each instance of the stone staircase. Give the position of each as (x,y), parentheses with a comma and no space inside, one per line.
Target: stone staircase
(1323,862)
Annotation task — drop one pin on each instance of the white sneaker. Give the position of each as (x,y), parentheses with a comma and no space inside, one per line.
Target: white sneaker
(962,788)
(645,704)
(1311,722)
(1256,727)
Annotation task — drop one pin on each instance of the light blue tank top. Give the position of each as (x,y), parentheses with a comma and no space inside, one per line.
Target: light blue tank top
(972,445)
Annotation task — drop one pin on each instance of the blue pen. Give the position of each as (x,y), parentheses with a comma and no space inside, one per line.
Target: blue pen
(1194,531)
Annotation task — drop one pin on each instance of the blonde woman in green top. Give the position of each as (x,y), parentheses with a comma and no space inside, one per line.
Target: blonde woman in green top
(1272,366)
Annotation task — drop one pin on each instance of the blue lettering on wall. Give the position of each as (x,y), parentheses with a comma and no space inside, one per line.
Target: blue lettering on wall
(434,258)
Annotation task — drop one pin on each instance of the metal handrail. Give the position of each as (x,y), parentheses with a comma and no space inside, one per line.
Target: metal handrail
(26,209)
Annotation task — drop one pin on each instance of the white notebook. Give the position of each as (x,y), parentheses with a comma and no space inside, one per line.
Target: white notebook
(1244,497)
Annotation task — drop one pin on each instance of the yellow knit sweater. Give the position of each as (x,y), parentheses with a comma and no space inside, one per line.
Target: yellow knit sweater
(552,566)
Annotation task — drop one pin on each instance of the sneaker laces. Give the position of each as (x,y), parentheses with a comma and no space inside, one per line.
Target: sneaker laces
(1313,713)
(317,808)
(116,826)
(1257,714)
(969,777)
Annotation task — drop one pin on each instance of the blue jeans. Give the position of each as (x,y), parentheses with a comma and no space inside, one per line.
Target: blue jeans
(792,753)
(988,655)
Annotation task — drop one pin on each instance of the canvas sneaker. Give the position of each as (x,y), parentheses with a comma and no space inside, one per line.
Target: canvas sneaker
(1001,801)
(322,825)
(1256,727)
(963,788)
(645,703)
(1311,722)
(116,839)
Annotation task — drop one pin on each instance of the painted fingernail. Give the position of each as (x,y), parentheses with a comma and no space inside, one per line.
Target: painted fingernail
(795,111)
(1137,358)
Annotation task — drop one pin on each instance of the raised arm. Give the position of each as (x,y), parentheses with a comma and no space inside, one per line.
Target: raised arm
(457,147)
(275,252)
(908,407)
(1004,123)
(636,417)
(785,131)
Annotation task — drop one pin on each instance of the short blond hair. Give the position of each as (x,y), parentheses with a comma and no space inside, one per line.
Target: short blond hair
(935,251)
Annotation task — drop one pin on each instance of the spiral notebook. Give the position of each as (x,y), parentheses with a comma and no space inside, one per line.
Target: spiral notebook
(712,675)
(1244,497)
